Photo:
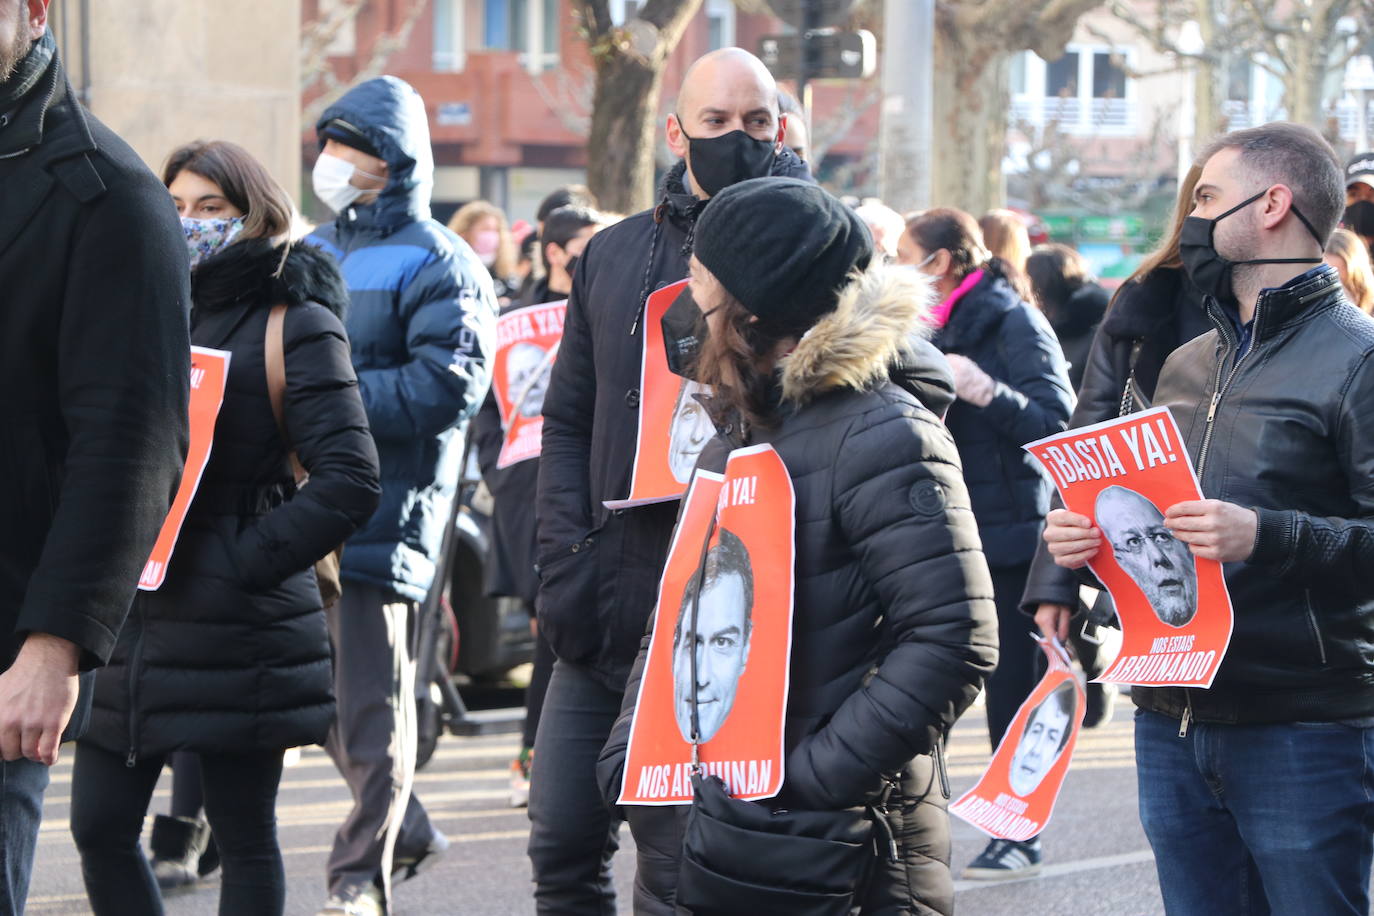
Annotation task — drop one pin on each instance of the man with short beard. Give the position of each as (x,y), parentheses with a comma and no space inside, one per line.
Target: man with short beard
(94,377)
(599,569)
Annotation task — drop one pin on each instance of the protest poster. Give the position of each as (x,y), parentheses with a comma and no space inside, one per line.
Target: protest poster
(1174,607)
(209,374)
(673,426)
(527,342)
(741,587)
(1015,796)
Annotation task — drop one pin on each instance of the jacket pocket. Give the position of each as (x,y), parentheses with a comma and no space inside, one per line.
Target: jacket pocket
(567,600)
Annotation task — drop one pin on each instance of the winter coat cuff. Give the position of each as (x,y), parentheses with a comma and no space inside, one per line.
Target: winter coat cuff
(1273,537)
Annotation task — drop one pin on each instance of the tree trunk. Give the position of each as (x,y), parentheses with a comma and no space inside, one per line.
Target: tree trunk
(970,114)
(620,143)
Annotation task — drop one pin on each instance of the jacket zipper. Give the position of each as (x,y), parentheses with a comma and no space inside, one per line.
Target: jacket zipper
(135,656)
(1221,387)
(1187,713)
(1316,628)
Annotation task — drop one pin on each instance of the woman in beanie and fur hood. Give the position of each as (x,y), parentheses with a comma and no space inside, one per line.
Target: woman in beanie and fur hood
(808,348)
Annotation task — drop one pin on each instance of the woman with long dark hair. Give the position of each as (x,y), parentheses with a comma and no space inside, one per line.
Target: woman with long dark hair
(1013,388)
(892,625)
(230,658)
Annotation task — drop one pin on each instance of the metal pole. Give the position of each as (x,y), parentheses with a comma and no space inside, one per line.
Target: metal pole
(904,139)
(810,22)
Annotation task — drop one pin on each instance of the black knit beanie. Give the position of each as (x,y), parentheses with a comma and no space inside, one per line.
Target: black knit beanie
(348,135)
(782,247)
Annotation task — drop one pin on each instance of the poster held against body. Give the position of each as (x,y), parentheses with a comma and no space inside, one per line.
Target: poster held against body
(209,374)
(527,342)
(742,642)
(1015,796)
(1175,610)
(673,426)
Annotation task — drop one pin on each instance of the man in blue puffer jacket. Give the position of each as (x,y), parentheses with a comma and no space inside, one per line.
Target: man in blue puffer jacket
(422,323)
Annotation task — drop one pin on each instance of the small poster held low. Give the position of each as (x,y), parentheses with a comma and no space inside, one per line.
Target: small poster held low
(1015,796)
(673,425)
(725,597)
(1175,611)
(527,342)
(209,375)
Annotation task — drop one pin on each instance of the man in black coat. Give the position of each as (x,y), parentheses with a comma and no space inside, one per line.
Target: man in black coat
(599,569)
(94,377)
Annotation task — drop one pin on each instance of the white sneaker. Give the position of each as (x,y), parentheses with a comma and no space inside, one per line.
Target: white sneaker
(366,902)
(403,868)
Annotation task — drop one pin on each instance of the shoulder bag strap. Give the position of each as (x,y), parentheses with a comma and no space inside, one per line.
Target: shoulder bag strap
(274,356)
(1131,394)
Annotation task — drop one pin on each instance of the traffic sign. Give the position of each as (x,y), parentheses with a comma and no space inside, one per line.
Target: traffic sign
(824,13)
(826,54)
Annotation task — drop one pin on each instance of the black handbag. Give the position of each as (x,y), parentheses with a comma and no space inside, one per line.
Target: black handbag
(740,857)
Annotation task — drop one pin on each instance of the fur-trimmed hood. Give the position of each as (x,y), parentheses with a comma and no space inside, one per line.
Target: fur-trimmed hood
(247,271)
(878,325)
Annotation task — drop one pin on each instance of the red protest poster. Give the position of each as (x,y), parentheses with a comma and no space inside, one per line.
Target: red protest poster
(1175,610)
(739,592)
(1015,796)
(673,425)
(526,346)
(209,373)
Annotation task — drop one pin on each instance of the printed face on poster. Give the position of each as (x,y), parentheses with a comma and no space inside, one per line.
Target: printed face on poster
(673,424)
(209,374)
(1015,796)
(1175,610)
(724,617)
(527,341)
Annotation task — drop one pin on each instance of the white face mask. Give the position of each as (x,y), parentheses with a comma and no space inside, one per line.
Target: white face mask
(331,180)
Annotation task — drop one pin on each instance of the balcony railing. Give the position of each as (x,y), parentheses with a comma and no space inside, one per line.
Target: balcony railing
(1077,116)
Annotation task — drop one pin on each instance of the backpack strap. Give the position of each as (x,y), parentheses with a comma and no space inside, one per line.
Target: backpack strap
(274,356)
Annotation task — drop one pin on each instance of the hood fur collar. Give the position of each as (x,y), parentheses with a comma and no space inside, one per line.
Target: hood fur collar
(880,310)
(253,272)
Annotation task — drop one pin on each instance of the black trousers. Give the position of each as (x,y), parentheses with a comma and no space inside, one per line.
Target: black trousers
(538,688)
(1020,663)
(110,799)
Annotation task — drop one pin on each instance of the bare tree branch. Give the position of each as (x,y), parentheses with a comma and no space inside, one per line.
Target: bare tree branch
(387,44)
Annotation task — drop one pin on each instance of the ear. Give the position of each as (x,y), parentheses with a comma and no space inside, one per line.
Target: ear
(782,133)
(554,256)
(677,139)
(38,18)
(1278,201)
(943,262)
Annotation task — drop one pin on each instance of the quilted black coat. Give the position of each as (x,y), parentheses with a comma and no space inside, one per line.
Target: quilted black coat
(232,653)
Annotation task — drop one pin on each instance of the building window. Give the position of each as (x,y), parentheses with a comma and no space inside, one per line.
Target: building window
(449,40)
(1085,93)
(520,25)
(720,19)
(622,11)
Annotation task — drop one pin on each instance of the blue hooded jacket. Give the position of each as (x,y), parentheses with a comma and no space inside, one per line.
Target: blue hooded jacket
(422,321)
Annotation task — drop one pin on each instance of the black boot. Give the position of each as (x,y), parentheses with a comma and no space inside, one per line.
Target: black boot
(177,844)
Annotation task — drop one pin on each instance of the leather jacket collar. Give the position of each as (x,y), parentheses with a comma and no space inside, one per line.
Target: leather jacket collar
(1283,306)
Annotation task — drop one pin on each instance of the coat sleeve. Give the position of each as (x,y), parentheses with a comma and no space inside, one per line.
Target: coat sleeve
(123,370)
(487,434)
(324,417)
(564,509)
(1035,400)
(450,330)
(1324,552)
(900,505)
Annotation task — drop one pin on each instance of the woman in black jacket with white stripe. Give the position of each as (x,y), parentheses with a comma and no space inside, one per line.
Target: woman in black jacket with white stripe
(230,658)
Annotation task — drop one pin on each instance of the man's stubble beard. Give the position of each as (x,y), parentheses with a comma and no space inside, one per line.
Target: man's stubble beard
(19,46)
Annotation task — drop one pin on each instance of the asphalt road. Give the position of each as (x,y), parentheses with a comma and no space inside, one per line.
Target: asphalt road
(1097,860)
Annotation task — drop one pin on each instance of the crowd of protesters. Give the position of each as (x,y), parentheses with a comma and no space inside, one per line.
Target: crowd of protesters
(897,363)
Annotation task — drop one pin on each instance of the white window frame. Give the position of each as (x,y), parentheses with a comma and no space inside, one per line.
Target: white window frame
(724,10)
(458,37)
(1032,104)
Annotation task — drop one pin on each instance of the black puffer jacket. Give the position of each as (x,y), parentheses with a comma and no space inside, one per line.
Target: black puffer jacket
(599,569)
(1012,342)
(1291,436)
(231,654)
(1147,321)
(1074,322)
(893,627)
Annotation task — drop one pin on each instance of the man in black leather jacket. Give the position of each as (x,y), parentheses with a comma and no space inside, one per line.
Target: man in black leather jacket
(1260,788)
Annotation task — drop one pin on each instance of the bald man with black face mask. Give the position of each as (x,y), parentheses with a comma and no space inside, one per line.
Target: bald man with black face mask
(599,569)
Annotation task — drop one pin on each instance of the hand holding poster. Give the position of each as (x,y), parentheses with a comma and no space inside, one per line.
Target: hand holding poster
(1174,608)
(673,425)
(741,587)
(1015,796)
(527,342)
(209,373)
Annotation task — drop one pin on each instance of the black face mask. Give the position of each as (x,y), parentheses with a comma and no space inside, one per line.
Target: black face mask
(718,162)
(571,265)
(684,332)
(1209,271)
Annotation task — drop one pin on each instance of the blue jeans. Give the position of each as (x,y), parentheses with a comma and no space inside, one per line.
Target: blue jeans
(1258,819)
(22,783)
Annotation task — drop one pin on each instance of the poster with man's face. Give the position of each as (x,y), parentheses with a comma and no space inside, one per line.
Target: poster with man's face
(1174,607)
(527,341)
(717,669)
(674,426)
(1015,796)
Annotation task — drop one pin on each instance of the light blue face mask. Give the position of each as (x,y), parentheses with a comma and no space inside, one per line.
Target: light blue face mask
(205,237)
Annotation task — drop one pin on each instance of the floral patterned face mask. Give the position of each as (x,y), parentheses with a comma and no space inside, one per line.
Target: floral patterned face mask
(205,237)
